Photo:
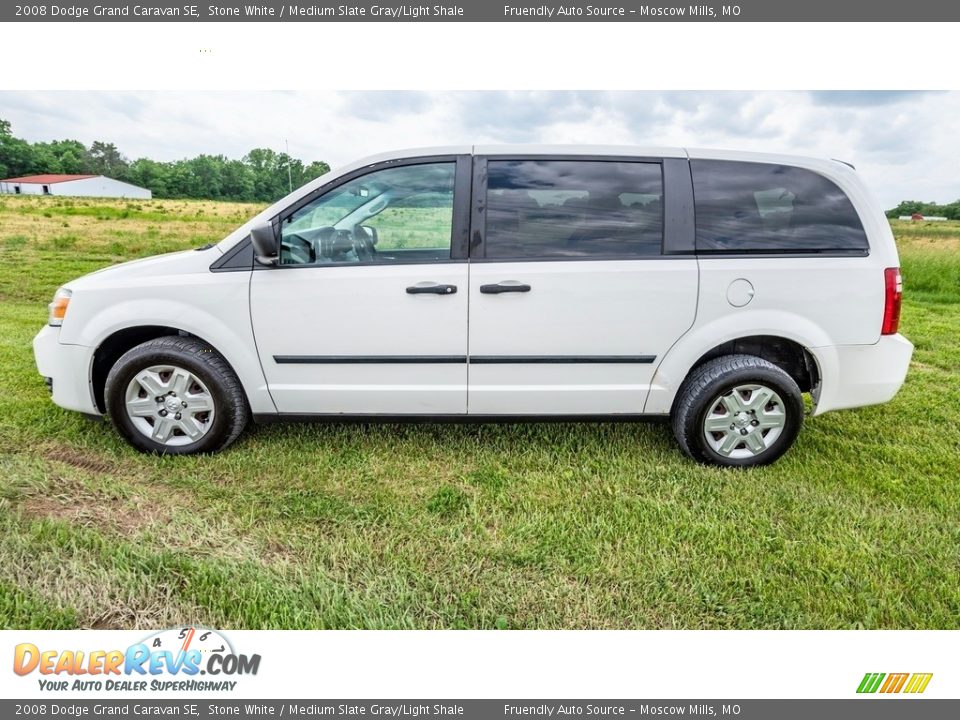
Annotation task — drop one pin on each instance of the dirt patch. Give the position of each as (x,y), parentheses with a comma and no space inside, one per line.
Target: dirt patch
(275,553)
(80,460)
(103,593)
(125,617)
(75,504)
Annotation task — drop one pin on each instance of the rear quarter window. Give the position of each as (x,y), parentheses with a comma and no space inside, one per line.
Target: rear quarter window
(746,207)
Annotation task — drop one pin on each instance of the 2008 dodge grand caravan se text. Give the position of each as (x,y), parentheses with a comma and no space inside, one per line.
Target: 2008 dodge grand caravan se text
(506,282)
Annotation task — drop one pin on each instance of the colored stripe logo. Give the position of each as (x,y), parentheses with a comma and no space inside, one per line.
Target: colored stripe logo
(894,683)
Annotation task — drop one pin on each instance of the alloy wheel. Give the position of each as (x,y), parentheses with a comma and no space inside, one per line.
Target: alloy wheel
(170,405)
(744,421)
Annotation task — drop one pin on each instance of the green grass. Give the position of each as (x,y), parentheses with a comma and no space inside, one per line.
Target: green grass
(447,526)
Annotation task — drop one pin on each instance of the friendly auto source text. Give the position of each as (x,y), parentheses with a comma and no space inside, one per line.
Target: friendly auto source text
(561,710)
(568,11)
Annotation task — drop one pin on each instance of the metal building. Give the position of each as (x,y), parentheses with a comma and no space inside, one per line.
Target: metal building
(73,186)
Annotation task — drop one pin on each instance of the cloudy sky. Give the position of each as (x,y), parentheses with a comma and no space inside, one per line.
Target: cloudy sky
(906,144)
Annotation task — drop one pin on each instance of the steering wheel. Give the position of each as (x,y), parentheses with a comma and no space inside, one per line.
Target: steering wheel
(300,251)
(363,245)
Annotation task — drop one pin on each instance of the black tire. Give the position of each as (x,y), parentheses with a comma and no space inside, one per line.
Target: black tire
(697,396)
(230,402)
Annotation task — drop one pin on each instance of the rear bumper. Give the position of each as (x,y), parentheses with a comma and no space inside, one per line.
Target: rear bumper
(66,370)
(858,375)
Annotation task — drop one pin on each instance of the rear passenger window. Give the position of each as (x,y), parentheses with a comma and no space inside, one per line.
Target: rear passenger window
(543,209)
(761,207)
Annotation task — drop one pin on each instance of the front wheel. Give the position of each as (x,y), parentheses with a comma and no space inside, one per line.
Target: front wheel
(177,396)
(737,410)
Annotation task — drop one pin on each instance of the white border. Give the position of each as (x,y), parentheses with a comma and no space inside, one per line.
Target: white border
(545,664)
(479,56)
(628,56)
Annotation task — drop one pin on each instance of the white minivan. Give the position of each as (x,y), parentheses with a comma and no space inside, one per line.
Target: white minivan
(505,283)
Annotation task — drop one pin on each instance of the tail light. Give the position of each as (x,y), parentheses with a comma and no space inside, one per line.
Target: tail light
(893,294)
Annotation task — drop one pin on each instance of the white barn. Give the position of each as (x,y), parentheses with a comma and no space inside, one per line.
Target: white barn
(73,186)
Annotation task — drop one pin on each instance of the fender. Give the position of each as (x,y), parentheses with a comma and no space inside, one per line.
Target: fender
(699,340)
(228,331)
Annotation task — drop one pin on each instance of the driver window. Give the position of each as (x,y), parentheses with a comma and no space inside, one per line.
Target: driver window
(397,215)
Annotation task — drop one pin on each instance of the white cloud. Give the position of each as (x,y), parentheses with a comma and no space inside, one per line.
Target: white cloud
(906,144)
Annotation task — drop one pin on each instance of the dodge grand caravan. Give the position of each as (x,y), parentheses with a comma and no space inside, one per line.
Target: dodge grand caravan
(712,288)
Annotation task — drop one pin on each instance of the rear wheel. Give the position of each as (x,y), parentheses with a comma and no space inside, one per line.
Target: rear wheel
(175,395)
(737,410)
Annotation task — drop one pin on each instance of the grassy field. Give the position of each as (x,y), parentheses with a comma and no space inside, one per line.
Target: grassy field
(446,526)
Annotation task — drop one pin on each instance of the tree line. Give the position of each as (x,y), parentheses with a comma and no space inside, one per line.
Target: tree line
(262,175)
(909,207)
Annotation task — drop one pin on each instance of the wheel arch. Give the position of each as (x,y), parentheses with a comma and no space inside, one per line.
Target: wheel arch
(765,337)
(122,340)
(789,355)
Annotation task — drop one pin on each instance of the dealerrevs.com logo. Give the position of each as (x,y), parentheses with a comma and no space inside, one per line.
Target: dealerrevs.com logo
(891,683)
(168,660)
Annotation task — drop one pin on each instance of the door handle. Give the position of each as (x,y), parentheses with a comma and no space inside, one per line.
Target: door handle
(505,286)
(431,288)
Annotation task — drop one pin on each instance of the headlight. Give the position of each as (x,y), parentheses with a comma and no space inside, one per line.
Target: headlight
(58,308)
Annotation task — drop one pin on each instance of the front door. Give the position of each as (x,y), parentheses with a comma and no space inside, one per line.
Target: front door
(573,300)
(366,312)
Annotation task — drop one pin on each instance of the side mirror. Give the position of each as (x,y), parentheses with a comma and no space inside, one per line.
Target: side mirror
(266,249)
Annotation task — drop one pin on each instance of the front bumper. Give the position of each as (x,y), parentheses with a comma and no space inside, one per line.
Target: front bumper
(66,370)
(858,375)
